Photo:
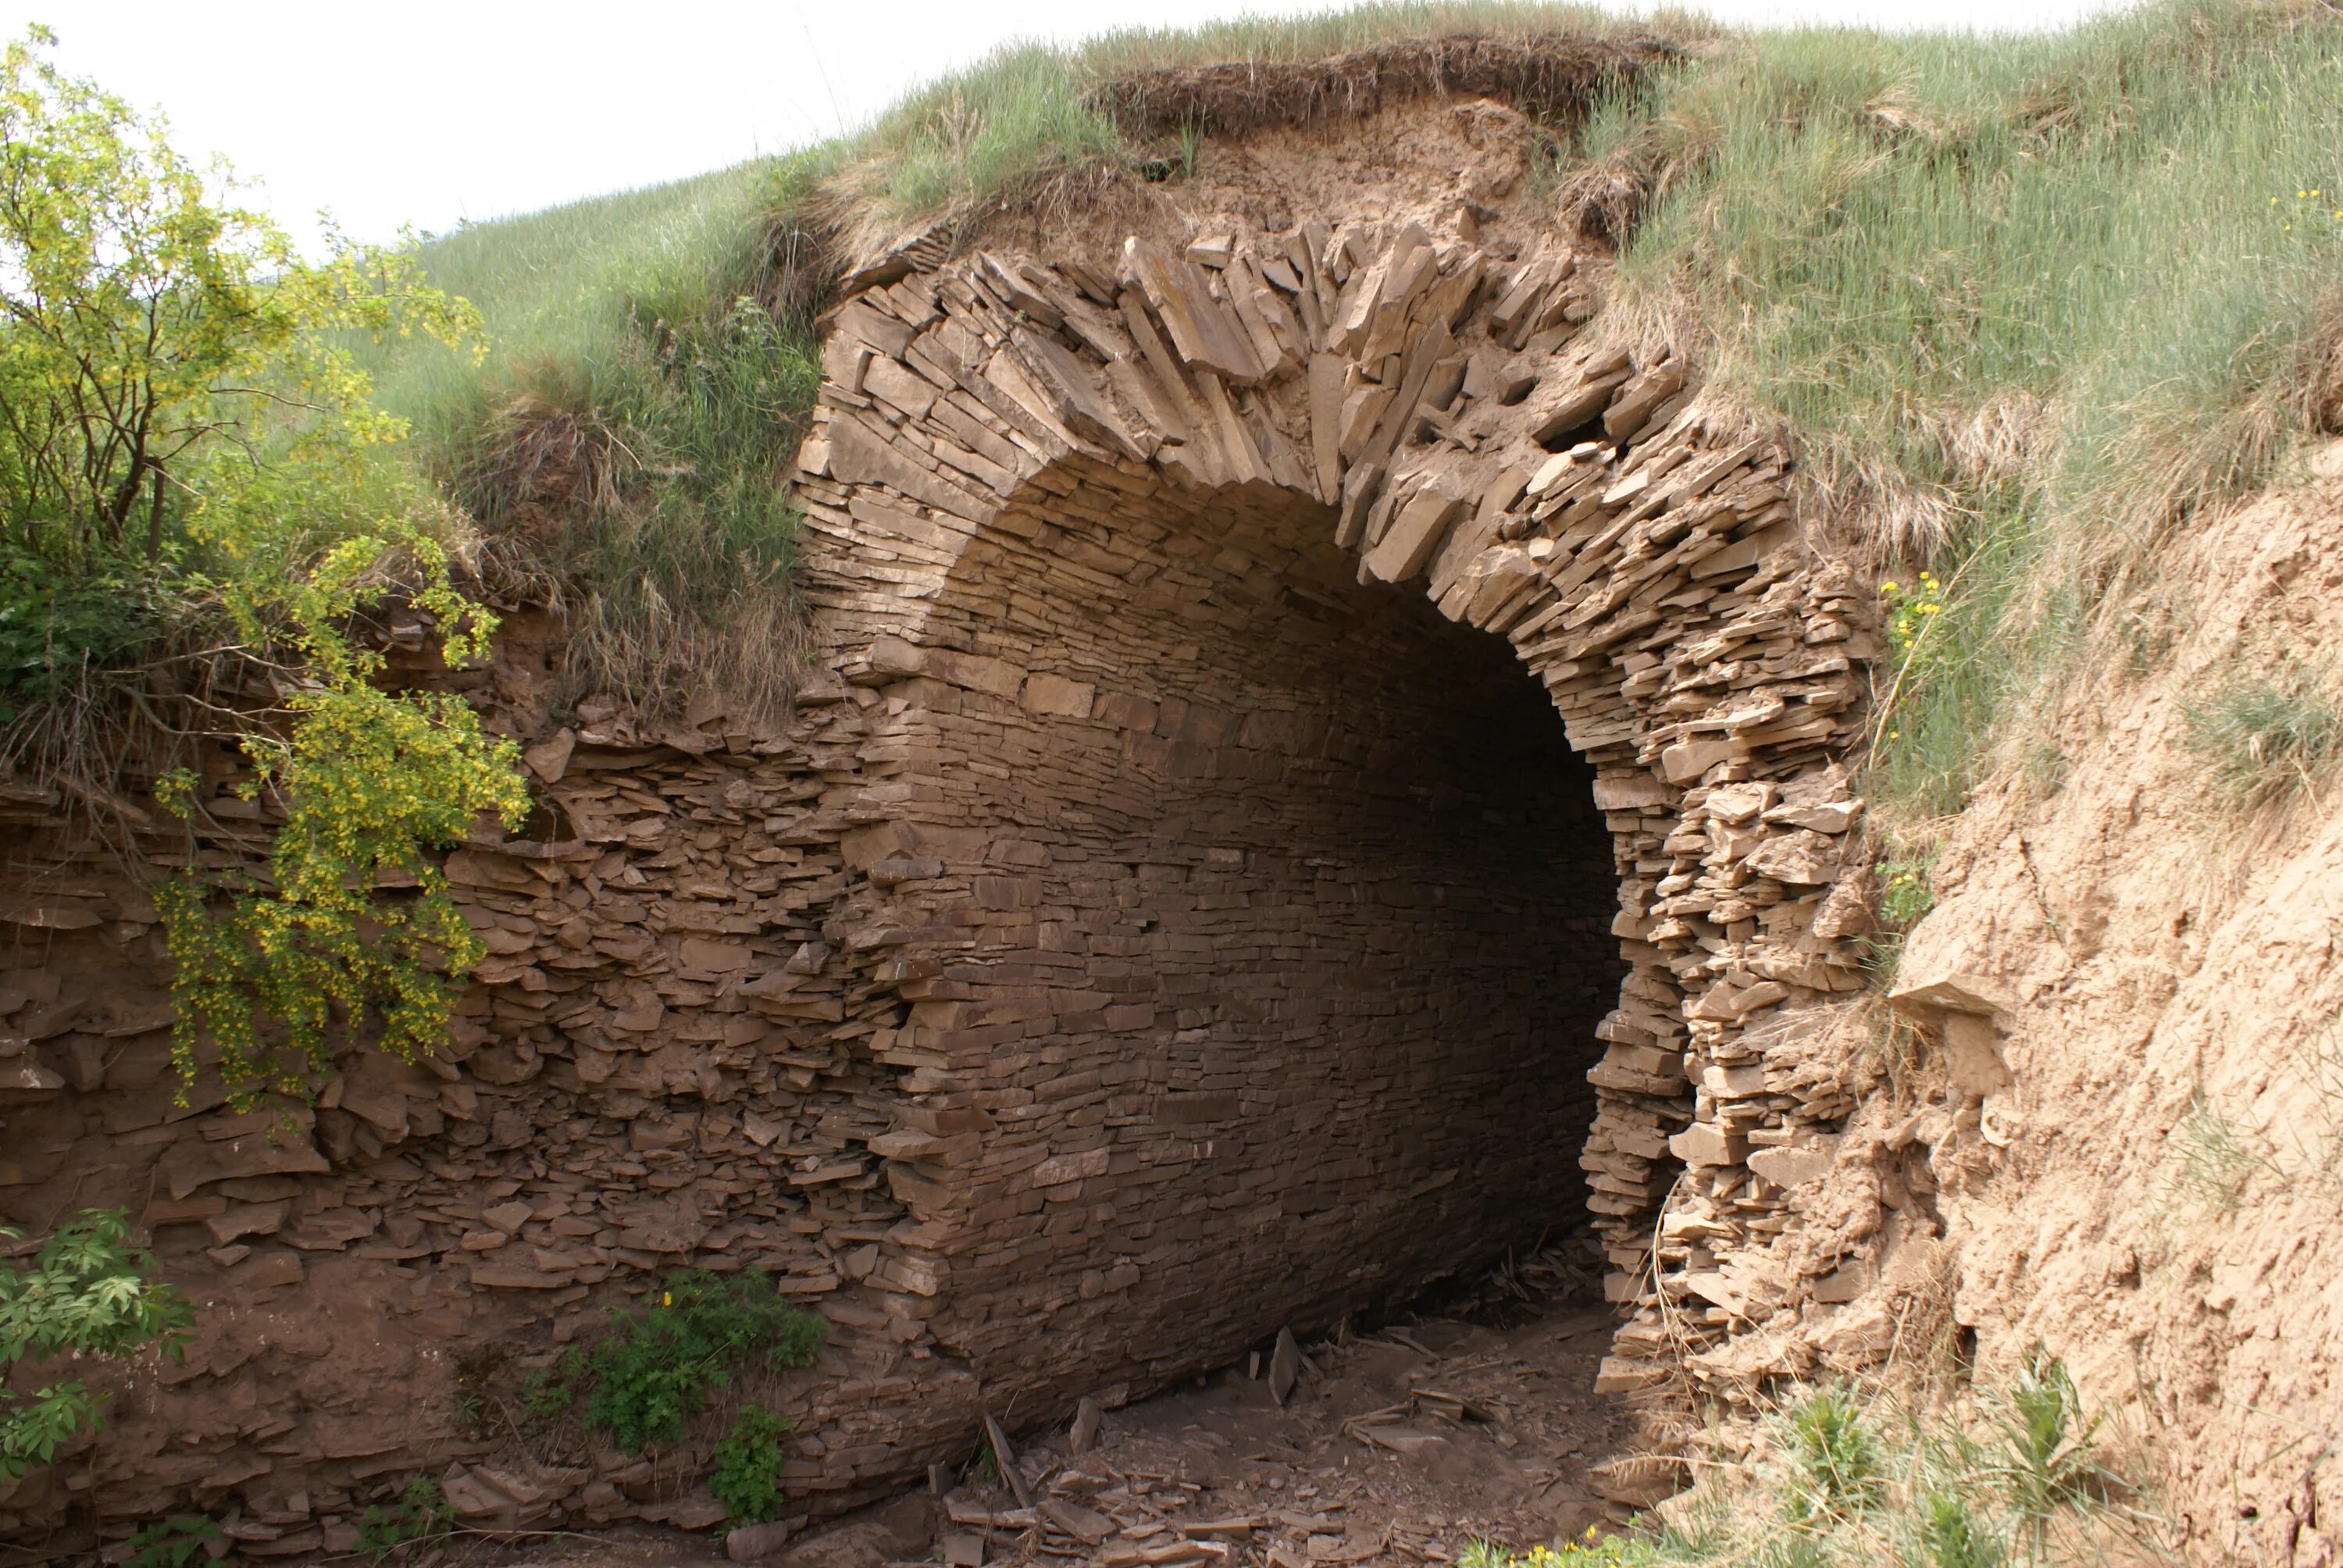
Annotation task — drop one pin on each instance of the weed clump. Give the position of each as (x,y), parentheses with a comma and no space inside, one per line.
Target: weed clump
(176,1542)
(2261,737)
(1846,1480)
(86,1293)
(748,1461)
(651,1371)
(1834,1473)
(420,1513)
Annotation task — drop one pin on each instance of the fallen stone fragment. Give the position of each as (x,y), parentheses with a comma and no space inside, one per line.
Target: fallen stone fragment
(755,1543)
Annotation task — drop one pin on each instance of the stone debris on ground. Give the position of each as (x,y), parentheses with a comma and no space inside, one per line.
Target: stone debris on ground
(1399,1447)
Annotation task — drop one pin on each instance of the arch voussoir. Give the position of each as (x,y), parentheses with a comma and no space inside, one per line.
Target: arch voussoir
(1448,418)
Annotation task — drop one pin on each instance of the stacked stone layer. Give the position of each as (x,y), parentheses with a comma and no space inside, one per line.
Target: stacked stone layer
(1169,915)
(1004,438)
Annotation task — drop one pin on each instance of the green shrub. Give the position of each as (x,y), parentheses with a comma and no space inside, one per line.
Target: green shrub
(1835,1465)
(748,1460)
(2043,1459)
(650,1370)
(1951,1536)
(173,1542)
(421,1511)
(191,459)
(1905,894)
(84,1295)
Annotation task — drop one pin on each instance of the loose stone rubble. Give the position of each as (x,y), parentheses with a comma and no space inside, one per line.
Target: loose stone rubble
(1155,926)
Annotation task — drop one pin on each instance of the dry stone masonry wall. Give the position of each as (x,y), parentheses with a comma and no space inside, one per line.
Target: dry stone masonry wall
(1169,914)
(665,1060)
(1045,499)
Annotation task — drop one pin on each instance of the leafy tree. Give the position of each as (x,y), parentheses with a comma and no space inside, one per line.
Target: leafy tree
(85,1291)
(187,446)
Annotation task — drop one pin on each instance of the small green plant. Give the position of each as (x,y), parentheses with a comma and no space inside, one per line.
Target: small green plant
(86,1293)
(544,1394)
(748,1460)
(1907,609)
(2263,736)
(1835,1468)
(2044,1457)
(173,1542)
(1952,1536)
(651,1370)
(1905,894)
(2215,1162)
(421,1511)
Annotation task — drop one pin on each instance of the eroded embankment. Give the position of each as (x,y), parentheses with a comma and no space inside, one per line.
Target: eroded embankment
(2150,1189)
(1322,765)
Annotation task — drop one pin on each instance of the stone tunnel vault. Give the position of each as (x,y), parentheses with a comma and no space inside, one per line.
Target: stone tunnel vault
(1311,892)
(1169,809)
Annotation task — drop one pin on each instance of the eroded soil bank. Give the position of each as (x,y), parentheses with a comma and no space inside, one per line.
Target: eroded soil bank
(1325,755)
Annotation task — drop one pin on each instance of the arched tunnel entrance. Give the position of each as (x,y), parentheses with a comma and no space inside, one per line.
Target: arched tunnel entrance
(1318,906)
(1225,810)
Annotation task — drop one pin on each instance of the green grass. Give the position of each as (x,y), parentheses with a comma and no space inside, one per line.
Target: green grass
(2028,304)
(2006,1477)
(2261,737)
(627,435)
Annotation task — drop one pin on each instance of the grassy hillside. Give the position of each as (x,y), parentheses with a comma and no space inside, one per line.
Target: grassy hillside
(2027,303)
(625,435)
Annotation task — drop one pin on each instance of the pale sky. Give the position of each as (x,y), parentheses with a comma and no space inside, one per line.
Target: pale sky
(428,111)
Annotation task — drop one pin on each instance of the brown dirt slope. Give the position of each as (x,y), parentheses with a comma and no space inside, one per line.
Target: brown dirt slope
(2165,1205)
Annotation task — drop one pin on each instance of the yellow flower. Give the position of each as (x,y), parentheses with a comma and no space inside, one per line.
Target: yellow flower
(667,1298)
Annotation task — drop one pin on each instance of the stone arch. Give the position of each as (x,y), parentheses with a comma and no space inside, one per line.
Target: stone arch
(1004,430)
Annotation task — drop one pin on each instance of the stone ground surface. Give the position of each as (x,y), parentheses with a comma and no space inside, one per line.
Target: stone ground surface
(1395,1447)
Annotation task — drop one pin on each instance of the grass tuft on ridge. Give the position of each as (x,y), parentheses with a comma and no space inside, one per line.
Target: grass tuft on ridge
(625,443)
(2028,304)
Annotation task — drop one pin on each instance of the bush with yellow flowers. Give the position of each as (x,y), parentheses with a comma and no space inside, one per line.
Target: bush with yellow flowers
(195,482)
(1907,609)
